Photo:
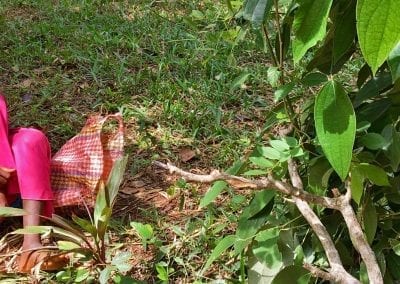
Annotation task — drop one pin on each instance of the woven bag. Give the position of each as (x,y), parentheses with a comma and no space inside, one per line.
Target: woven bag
(83,161)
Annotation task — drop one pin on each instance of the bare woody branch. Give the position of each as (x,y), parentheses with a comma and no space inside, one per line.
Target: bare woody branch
(241,182)
(358,239)
(336,273)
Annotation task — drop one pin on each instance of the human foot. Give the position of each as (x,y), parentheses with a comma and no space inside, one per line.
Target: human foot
(48,260)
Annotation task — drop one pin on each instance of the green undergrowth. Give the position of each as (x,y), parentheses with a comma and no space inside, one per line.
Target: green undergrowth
(182,73)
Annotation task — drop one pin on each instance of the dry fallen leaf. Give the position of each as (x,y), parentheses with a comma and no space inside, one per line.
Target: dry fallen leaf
(26,83)
(186,154)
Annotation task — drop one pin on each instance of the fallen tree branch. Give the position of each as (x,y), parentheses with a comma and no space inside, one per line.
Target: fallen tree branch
(241,182)
(301,198)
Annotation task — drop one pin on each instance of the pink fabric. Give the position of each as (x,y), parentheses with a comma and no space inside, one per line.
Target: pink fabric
(26,150)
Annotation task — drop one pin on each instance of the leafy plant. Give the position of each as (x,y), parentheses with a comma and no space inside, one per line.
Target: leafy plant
(344,139)
(87,239)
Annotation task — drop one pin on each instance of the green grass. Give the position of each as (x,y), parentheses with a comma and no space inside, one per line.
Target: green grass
(76,57)
(169,68)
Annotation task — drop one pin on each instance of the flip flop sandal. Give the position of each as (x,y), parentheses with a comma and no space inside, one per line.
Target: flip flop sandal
(48,260)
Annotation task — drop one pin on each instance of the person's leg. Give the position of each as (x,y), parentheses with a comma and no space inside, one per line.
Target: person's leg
(33,208)
(32,159)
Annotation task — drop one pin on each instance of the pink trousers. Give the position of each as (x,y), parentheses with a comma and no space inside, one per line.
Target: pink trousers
(27,151)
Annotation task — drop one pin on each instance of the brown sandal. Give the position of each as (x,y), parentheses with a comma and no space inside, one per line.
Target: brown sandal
(48,260)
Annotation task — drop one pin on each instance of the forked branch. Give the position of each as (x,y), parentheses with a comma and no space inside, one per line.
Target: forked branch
(336,272)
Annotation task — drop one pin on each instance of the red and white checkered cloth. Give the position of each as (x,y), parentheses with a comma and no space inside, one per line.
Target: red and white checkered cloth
(84,160)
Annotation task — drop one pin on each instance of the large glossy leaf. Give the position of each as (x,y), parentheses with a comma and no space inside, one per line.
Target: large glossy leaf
(309,25)
(222,246)
(255,11)
(335,124)
(378,29)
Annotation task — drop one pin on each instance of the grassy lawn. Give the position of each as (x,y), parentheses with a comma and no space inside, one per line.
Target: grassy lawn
(183,74)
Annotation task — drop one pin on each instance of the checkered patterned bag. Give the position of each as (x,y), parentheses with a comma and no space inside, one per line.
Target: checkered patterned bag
(83,161)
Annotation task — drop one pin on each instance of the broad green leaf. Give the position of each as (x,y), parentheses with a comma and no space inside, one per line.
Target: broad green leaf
(363,126)
(105,275)
(219,186)
(212,193)
(11,212)
(374,173)
(279,145)
(393,264)
(299,255)
(363,273)
(196,14)
(272,233)
(255,11)
(268,253)
(291,141)
(370,220)
(357,184)
(144,231)
(85,225)
(253,218)
(66,245)
(33,230)
(261,162)
(335,124)
(345,30)
(313,79)
(309,25)
(162,272)
(273,75)
(316,172)
(81,274)
(283,91)
(373,141)
(255,173)
(239,81)
(378,29)
(122,261)
(100,205)
(66,225)
(259,273)
(395,244)
(290,274)
(258,203)
(115,178)
(394,62)
(222,246)
(363,75)
(372,88)
(270,153)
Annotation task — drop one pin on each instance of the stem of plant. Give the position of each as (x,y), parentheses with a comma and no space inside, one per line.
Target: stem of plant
(269,45)
(242,266)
